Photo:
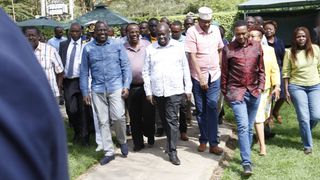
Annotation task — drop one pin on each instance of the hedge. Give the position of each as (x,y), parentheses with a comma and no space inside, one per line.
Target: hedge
(226,19)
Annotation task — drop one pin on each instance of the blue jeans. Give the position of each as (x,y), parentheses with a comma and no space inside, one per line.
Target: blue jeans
(305,100)
(207,111)
(245,114)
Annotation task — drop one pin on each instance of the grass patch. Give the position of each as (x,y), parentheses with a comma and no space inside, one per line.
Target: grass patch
(80,158)
(285,158)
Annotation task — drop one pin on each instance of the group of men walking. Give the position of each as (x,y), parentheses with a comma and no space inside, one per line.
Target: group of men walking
(155,71)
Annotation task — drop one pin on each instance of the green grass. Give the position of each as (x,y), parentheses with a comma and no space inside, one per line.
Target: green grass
(80,159)
(285,158)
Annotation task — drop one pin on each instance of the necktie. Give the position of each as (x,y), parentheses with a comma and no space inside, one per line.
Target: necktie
(71,60)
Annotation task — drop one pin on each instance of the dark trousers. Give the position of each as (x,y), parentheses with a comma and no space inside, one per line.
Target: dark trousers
(142,115)
(80,115)
(184,107)
(168,110)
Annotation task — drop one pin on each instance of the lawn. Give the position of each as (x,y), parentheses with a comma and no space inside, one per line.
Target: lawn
(285,158)
(80,158)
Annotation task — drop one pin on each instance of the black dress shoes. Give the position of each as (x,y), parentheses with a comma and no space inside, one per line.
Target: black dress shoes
(151,140)
(173,157)
(138,148)
(159,132)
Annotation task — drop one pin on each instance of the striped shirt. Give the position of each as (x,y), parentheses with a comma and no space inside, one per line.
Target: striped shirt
(51,63)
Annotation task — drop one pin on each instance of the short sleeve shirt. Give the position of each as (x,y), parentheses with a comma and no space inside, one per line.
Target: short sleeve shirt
(205,46)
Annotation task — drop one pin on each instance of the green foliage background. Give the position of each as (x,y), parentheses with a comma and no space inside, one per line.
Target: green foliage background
(226,19)
(225,11)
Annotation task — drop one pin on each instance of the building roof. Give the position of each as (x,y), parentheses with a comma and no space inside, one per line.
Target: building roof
(266,4)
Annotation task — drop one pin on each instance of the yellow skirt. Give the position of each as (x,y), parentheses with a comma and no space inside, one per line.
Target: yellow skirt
(264,107)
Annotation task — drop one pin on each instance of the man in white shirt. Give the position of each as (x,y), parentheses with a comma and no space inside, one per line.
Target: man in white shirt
(167,79)
(48,58)
(80,115)
(58,38)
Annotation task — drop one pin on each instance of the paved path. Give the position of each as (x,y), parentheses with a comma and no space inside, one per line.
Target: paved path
(151,163)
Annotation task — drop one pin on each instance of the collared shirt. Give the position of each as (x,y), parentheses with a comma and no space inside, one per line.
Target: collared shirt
(55,42)
(166,70)
(182,38)
(305,71)
(153,39)
(136,58)
(242,70)
(109,67)
(205,46)
(122,40)
(77,60)
(51,63)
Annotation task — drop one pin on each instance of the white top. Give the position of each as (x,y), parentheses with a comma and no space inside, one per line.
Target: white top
(166,70)
(77,60)
(51,64)
(55,42)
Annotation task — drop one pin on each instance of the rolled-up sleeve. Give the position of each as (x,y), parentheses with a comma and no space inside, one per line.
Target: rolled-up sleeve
(286,68)
(56,61)
(262,76)
(275,71)
(146,74)
(186,74)
(224,72)
(84,73)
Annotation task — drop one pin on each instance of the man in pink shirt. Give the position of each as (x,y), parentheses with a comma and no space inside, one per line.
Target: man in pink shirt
(204,44)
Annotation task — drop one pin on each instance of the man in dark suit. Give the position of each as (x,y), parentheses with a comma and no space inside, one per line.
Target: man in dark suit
(80,115)
(32,135)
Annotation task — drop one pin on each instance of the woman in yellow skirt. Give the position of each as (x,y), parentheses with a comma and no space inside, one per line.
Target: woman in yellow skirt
(272,85)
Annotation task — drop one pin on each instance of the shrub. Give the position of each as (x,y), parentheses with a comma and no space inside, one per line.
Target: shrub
(226,19)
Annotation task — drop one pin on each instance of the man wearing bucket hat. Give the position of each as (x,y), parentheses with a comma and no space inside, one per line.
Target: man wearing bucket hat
(203,45)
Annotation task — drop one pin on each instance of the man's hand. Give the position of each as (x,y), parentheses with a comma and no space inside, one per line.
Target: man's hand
(188,95)
(87,100)
(203,84)
(125,93)
(150,100)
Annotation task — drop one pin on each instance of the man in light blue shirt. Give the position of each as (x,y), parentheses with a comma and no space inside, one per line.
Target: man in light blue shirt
(109,67)
(176,31)
(58,38)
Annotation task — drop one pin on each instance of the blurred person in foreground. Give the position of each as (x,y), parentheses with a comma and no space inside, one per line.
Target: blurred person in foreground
(32,134)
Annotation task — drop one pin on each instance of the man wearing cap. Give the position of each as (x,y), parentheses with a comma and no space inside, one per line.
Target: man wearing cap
(203,45)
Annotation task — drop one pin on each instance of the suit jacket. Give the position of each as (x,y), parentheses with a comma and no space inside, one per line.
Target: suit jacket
(63,49)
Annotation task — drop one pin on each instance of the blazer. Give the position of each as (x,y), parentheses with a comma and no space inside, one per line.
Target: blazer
(63,49)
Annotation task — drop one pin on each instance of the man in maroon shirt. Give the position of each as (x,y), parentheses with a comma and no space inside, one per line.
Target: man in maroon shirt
(242,80)
(141,112)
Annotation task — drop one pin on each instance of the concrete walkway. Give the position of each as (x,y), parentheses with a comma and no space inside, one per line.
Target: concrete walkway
(151,163)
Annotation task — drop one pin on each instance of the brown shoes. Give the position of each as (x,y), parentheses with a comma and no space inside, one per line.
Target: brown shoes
(216,150)
(202,147)
(184,136)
